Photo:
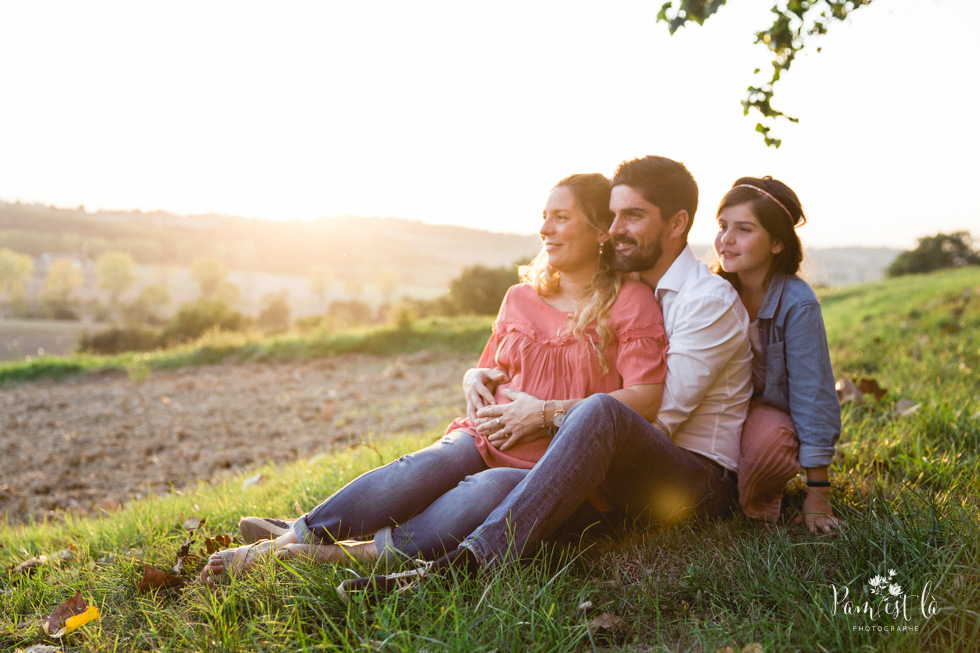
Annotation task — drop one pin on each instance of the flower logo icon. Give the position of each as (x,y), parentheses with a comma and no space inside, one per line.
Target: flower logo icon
(884,587)
(878,584)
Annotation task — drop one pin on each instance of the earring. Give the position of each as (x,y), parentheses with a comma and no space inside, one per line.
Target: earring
(600,247)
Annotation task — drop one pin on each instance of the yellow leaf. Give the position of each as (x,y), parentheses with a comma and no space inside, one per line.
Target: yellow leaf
(79,620)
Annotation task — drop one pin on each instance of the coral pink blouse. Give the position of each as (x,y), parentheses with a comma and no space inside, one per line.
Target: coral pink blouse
(526,344)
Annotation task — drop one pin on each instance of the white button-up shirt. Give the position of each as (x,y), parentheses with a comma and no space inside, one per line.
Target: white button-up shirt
(709,363)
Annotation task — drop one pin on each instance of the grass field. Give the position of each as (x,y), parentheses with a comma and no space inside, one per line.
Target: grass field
(461,335)
(905,484)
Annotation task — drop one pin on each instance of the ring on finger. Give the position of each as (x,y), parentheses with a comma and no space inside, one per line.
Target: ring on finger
(499,423)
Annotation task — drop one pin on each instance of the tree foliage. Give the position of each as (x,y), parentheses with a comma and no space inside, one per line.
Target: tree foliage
(936,253)
(208,272)
(386,281)
(118,339)
(274,315)
(794,24)
(116,272)
(480,290)
(349,313)
(229,292)
(15,272)
(195,318)
(147,309)
(64,277)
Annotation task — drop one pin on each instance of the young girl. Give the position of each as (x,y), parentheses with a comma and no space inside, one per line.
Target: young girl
(794,397)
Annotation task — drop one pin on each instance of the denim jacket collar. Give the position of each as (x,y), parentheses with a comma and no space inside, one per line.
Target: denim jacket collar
(773,294)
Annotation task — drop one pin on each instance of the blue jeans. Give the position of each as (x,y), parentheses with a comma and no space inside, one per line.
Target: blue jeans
(603,442)
(421,505)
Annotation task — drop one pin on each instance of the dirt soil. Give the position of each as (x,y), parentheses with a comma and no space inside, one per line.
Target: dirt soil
(97,441)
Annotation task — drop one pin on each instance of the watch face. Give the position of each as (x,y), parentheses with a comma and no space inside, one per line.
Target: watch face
(559,419)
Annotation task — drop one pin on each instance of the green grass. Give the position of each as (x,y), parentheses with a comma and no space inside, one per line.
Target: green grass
(907,487)
(463,334)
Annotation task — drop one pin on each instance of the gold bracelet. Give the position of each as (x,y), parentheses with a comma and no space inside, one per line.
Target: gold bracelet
(544,404)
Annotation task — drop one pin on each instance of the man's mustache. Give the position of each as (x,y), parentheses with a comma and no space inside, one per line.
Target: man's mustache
(625,240)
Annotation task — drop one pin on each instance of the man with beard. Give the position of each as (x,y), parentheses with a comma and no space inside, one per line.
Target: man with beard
(681,465)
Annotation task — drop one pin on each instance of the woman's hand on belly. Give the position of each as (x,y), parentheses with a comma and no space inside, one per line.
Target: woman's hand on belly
(479,384)
(506,425)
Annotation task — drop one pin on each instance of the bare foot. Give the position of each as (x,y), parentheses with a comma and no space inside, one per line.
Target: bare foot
(340,552)
(236,561)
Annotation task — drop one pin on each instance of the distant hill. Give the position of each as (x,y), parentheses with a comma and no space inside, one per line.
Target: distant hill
(425,257)
(277,254)
(835,266)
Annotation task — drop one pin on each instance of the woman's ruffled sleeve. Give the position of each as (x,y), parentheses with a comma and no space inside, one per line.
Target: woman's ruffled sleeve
(489,356)
(636,318)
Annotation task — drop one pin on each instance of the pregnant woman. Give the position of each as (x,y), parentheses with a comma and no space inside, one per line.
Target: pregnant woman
(572,329)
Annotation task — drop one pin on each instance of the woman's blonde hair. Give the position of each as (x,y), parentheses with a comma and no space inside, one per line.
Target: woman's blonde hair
(591,192)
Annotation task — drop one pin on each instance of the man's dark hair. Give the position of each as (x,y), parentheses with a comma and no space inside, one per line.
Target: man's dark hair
(663,182)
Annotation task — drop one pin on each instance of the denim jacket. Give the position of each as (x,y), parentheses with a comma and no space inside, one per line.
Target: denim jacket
(799,378)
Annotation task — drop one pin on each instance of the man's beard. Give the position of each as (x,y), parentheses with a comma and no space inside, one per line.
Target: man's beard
(640,259)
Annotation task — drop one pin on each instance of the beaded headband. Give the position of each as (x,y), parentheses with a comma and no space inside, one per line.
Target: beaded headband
(781,205)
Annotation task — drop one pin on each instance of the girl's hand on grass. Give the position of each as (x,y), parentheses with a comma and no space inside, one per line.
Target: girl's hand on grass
(479,384)
(818,514)
(508,424)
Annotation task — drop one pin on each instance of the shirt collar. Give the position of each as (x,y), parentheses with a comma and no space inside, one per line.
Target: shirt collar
(678,273)
(775,291)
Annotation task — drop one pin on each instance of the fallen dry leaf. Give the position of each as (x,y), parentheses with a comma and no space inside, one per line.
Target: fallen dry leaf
(39,648)
(252,480)
(584,608)
(30,566)
(193,523)
(184,553)
(870,386)
(69,616)
(216,543)
(605,622)
(154,579)
(847,391)
(905,407)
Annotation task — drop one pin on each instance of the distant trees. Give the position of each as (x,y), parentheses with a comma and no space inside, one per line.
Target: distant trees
(195,318)
(274,315)
(208,272)
(147,309)
(349,313)
(386,281)
(64,277)
(116,272)
(15,273)
(935,253)
(480,290)
(229,293)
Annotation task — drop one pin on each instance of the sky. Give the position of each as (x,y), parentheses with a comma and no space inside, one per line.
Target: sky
(467,113)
